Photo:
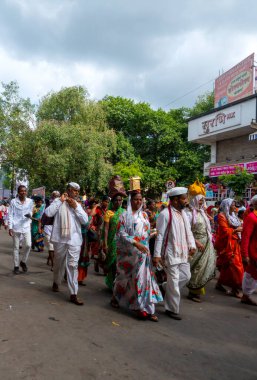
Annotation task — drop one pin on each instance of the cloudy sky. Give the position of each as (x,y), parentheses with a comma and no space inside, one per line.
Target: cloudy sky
(148,50)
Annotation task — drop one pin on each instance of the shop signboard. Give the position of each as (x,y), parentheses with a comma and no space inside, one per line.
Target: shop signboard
(222,120)
(236,83)
(216,171)
(251,167)
(226,169)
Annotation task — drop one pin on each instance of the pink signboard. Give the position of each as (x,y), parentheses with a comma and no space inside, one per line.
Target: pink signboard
(236,83)
(226,169)
(251,167)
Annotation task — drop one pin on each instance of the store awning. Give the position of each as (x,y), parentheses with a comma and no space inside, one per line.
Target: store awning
(253,136)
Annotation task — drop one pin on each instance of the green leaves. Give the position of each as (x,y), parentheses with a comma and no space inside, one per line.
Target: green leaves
(156,141)
(58,153)
(71,137)
(67,105)
(238,182)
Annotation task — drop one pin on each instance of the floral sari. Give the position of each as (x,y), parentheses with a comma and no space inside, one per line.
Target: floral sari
(135,285)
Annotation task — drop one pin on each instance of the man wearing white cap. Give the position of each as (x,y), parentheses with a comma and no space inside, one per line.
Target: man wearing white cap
(19,221)
(67,239)
(173,244)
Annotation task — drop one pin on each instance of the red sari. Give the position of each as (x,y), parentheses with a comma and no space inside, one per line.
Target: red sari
(96,224)
(229,261)
(249,243)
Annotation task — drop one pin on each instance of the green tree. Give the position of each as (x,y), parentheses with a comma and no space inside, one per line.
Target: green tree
(69,146)
(125,152)
(16,118)
(204,103)
(159,140)
(126,171)
(66,105)
(59,153)
(155,135)
(238,182)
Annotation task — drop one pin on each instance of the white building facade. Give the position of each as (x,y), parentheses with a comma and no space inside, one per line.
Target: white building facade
(231,131)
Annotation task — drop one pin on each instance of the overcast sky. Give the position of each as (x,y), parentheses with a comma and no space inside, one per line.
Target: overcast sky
(148,50)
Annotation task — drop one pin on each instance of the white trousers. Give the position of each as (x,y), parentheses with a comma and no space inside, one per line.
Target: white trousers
(177,277)
(65,254)
(26,239)
(249,284)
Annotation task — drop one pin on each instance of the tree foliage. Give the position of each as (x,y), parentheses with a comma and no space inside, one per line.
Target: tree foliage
(204,103)
(71,137)
(159,140)
(16,118)
(71,142)
(238,182)
(66,105)
(57,153)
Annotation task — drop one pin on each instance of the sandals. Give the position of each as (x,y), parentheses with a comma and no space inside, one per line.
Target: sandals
(143,315)
(234,293)
(153,318)
(194,297)
(114,303)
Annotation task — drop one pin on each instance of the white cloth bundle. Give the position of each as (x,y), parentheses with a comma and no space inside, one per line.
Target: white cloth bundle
(65,220)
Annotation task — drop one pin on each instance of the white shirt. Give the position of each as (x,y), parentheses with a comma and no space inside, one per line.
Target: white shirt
(77,217)
(180,239)
(16,219)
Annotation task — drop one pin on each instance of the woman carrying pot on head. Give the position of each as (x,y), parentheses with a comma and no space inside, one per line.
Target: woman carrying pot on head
(135,285)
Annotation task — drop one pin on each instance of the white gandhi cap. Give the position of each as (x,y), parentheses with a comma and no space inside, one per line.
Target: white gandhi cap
(177,191)
(74,185)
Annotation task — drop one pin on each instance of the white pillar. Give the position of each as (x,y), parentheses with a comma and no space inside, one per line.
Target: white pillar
(213,153)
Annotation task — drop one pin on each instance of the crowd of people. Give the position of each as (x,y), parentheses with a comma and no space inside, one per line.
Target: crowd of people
(147,253)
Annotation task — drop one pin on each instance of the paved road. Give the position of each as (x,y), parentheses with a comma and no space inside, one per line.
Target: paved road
(42,336)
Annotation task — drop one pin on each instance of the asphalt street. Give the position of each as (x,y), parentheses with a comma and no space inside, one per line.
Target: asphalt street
(43,336)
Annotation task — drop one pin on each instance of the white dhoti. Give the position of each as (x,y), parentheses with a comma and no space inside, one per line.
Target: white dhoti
(249,284)
(17,238)
(65,254)
(48,232)
(178,276)
(48,244)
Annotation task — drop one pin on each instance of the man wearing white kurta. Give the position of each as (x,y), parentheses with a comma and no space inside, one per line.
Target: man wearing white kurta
(20,212)
(67,238)
(173,244)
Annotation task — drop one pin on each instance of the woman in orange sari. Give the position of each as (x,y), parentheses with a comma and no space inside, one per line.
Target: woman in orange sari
(227,244)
